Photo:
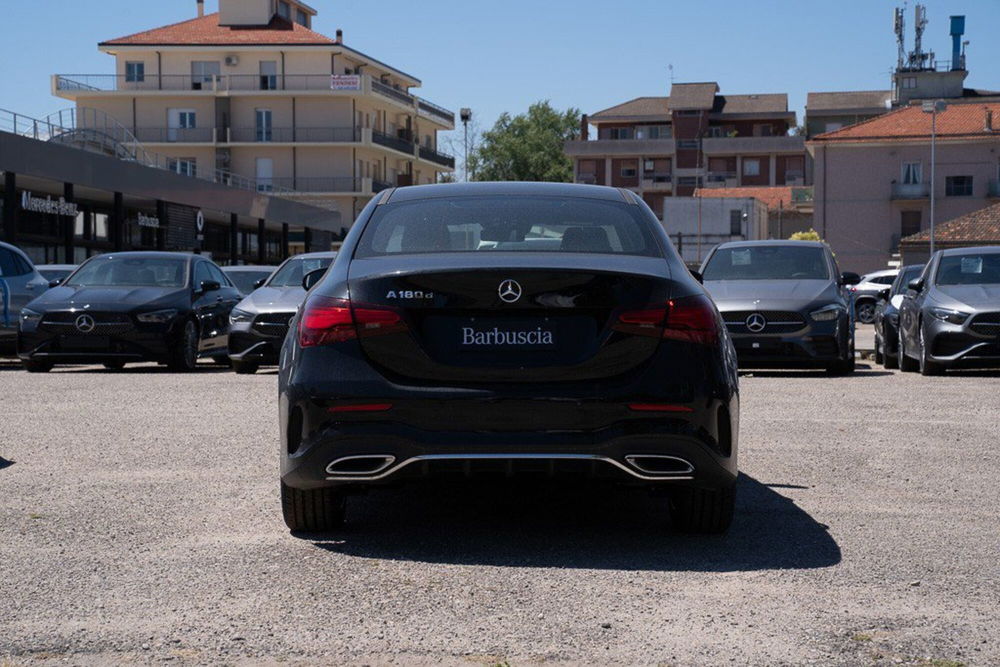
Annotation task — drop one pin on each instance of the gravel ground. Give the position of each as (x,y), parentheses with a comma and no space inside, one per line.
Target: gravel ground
(140,522)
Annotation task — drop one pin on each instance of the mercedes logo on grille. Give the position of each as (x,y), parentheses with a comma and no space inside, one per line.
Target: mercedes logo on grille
(509,291)
(756,323)
(85,323)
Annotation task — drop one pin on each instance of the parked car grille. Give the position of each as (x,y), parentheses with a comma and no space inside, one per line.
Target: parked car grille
(272,324)
(777,321)
(986,324)
(105,324)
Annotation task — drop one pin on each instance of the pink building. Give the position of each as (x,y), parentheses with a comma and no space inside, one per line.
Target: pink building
(872,180)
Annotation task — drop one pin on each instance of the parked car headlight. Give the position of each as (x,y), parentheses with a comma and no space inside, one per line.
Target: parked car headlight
(827,313)
(237,316)
(30,317)
(157,316)
(950,316)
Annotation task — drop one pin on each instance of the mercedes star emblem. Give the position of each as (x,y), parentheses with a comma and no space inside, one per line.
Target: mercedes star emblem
(756,323)
(85,323)
(509,291)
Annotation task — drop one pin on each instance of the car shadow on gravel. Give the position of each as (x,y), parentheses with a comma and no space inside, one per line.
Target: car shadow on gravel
(536,525)
(5,463)
(812,375)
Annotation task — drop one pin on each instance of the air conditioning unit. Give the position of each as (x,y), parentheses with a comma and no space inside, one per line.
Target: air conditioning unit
(232,61)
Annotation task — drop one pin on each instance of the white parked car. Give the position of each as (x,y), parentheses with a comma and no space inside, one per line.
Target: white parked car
(866,293)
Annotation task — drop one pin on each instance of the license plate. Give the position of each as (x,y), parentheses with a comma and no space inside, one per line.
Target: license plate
(507,335)
(84,343)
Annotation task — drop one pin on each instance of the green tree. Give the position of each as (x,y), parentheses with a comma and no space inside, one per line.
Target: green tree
(811,235)
(527,147)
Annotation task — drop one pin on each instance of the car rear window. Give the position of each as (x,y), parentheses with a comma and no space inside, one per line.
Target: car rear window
(508,224)
(767,262)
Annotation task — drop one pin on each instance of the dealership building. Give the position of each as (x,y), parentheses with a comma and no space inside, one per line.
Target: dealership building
(68,192)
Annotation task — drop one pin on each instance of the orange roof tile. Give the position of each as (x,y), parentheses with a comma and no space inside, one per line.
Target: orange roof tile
(957,120)
(772,196)
(979,227)
(206,31)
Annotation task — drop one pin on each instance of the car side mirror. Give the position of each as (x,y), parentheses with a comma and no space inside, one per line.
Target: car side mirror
(312,278)
(260,283)
(849,278)
(697,276)
(917,285)
(884,293)
(210,286)
(55,283)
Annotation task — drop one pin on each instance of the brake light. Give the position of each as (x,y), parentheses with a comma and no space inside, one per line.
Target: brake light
(691,319)
(328,320)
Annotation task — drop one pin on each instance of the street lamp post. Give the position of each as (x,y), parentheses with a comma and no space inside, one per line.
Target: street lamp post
(933,107)
(466,116)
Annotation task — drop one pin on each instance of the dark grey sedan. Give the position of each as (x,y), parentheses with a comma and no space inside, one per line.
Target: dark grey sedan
(950,315)
(784,304)
(887,316)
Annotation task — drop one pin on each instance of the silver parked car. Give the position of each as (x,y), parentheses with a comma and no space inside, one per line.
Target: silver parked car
(247,277)
(20,282)
(258,324)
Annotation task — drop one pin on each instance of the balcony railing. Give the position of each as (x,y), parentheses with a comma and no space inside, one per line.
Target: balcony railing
(620,147)
(657,180)
(249,83)
(911,190)
(588,179)
(439,158)
(802,196)
(379,186)
(721,176)
(733,145)
(393,142)
(162,135)
(292,134)
(320,184)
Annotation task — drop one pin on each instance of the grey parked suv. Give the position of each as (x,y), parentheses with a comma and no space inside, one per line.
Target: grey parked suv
(20,283)
(784,304)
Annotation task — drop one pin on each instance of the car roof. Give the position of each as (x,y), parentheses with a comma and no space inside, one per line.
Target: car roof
(56,266)
(478,189)
(247,267)
(986,250)
(314,255)
(153,253)
(772,242)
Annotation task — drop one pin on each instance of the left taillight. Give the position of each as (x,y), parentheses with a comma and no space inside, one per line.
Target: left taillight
(328,320)
(691,319)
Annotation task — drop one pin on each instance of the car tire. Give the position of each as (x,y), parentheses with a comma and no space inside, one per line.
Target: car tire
(114,365)
(698,510)
(865,312)
(928,367)
(184,356)
(313,510)
(891,361)
(34,366)
(906,364)
(244,367)
(879,355)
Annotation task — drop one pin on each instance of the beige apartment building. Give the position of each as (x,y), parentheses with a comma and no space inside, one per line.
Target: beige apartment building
(873,179)
(254,91)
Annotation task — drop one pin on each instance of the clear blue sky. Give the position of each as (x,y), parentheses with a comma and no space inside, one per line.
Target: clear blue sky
(502,56)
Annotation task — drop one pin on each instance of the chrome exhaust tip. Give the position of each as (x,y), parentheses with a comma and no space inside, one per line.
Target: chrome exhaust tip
(659,465)
(361,466)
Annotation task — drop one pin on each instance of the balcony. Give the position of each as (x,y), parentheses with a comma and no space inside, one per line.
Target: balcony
(396,143)
(314,185)
(736,145)
(620,147)
(657,181)
(722,179)
(72,85)
(588,179)
(803,196)
(180,135)
(911,191)
(432,155)
(293,134)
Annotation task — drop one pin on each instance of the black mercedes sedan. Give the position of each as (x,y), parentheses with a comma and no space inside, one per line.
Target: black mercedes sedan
(950,314)
(125,307)
(508,329)
(886,322)
(784,303)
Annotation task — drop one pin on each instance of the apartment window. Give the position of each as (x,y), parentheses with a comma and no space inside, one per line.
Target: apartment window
(265,174)
(268,75)
(689,112)
(909,223)
(909,82)
(751,167)
(628,172)
(185,166)
(648,165)
(689,181)
(832,127)
(284,10)
(912,173)
(736,222)
(265,130)
(135,72)
(179,121)
(622,133)
(301,18)
(688,144)
(203,73)
(958,186)
(653,132)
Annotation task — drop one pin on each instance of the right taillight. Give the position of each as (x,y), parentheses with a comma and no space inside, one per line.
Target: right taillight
(328,320)
(691,319)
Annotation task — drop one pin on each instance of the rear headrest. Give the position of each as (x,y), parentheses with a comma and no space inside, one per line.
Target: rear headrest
(585,239)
